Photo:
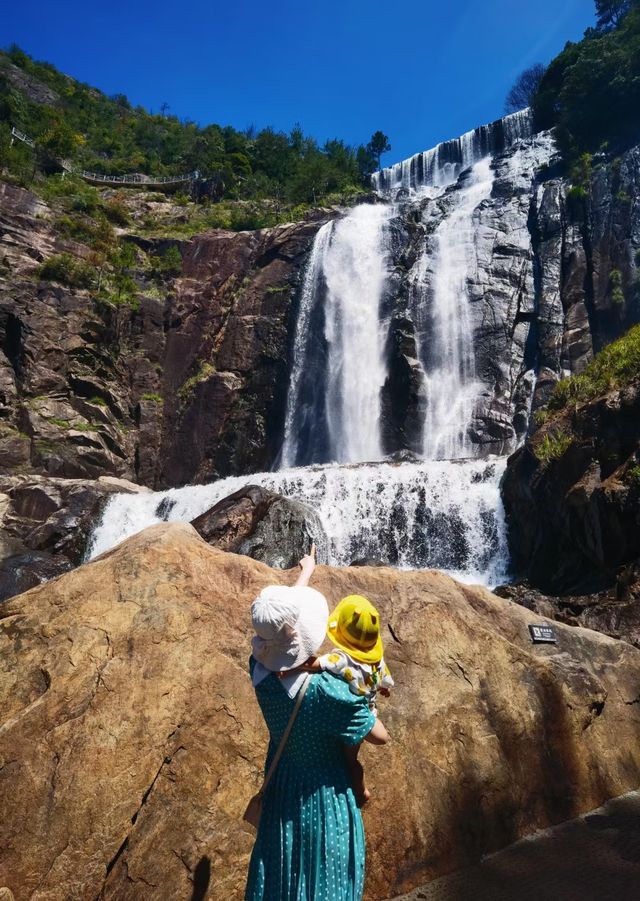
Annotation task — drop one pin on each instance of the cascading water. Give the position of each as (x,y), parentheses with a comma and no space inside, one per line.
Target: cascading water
(355,272)
(344,281)
(441,165)
(444,511)
(451,384)
(444,514)
(299,417)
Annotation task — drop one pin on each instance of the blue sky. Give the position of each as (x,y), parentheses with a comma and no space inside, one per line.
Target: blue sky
(420,70)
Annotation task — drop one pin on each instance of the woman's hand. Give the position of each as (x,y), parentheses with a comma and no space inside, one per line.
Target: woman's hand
(307,566)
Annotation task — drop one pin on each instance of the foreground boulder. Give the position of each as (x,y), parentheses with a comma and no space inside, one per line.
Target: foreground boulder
(264,525)
(131,741)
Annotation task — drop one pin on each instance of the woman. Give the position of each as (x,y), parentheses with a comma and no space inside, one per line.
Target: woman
(310,842)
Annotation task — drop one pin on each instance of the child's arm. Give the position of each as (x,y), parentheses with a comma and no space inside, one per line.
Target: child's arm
(386,679)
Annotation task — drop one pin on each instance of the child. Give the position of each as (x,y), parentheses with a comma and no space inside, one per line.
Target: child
(354,628)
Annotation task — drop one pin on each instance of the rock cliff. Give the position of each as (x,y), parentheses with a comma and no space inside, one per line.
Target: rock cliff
(192,385)
(573,516)
(188,387)
(130,740)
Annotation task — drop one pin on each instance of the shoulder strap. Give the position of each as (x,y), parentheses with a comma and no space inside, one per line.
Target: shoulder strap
(287,733)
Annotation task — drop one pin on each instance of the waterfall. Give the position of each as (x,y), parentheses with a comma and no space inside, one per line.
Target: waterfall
(355,271)
(441,165)
(333,406)
(299,413)
(437,514)
(451,384)
(443,511)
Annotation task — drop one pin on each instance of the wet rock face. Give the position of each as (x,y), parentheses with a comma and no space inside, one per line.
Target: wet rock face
(45,524)
(542,288)
(574,521)
(261,524)
(185,389)
(131,740)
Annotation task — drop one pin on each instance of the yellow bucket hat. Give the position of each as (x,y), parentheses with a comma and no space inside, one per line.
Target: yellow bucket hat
(354,627)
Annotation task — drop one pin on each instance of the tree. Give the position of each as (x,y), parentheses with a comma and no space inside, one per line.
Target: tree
(366,163)
(524,90)
(378,145)
(590,93)
(609,13)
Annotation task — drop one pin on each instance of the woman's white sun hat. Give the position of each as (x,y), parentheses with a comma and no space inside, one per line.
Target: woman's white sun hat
(290,624)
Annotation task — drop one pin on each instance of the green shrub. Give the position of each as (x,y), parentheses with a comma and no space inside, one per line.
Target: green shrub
(204,371)
(152,396)
(541,416)
(632,477)
(96,234)
(615,282)
(552,446)
(67,270)
(168,263)
(577,193)
(117,213)
(614,367)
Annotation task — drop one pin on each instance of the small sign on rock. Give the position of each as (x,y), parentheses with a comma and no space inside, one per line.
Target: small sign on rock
(543,634)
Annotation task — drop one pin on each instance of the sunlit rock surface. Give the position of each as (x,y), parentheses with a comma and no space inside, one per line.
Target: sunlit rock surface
(131,741)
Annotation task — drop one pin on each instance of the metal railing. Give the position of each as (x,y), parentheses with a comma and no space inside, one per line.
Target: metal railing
(130,179)
(21,137)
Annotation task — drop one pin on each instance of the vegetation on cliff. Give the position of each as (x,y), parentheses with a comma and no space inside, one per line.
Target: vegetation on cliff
(590,93)
(617,365)
(68,119)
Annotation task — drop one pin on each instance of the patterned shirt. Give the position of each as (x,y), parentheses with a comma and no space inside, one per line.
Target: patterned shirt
(365,679)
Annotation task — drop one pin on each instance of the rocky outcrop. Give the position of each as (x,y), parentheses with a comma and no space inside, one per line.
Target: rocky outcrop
(45,525)
(187,385)
(554,277)
(572,496)
(263,525)
(131,741)
(614,611)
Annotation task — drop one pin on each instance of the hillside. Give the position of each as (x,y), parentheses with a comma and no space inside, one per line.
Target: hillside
(71,120)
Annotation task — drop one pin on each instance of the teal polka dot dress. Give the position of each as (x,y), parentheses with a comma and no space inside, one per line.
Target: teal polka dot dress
(310,843)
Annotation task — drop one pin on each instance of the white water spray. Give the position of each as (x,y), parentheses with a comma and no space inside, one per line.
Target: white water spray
(355,269)
(436,514)
(296,413)
(451,384)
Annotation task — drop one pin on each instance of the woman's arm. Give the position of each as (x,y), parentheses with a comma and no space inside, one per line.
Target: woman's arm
(307,566)
(378,734)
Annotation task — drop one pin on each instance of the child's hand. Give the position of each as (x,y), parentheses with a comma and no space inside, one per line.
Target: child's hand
(384,692)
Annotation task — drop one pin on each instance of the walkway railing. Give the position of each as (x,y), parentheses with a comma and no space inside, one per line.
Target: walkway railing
(130,179)
(21,137)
